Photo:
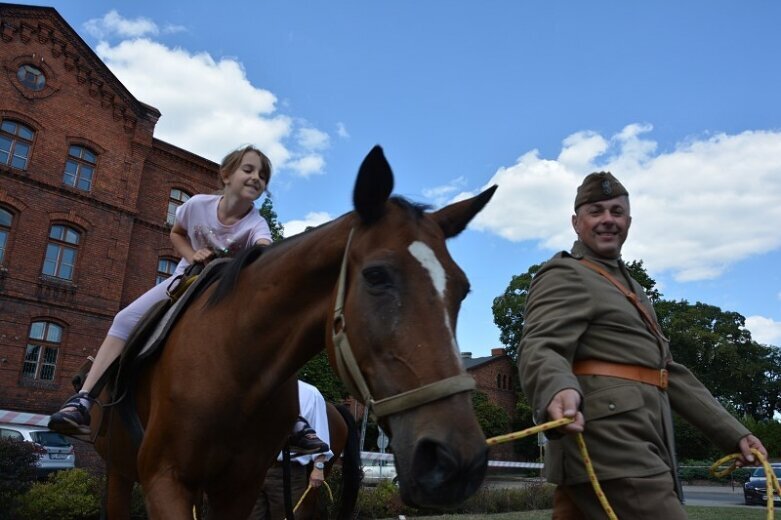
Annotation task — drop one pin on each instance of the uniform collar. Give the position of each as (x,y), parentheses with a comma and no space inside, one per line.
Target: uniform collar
(581,250)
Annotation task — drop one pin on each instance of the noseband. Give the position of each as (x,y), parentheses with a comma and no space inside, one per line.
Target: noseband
(351,375)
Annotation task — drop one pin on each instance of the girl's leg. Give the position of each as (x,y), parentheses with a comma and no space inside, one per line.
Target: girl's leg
(74,417)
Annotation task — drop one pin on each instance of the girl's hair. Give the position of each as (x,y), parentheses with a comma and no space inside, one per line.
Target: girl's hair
(233,160)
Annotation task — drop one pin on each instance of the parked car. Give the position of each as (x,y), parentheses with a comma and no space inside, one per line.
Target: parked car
(55,453)
(755,488)
(381,470)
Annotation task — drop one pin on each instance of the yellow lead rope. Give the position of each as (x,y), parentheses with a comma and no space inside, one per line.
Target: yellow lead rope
(592,476)
(770,475)
(327,487)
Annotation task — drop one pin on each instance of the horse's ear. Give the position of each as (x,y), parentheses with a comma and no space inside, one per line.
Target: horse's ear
(454,218)
(373,186)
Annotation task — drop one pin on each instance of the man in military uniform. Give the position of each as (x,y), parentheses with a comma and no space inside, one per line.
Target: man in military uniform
(592,350)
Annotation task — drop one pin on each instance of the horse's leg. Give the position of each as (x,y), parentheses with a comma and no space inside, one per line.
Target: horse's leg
(119,495)
(236,503)
(168,499)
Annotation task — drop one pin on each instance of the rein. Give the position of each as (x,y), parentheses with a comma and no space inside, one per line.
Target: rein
(351,375)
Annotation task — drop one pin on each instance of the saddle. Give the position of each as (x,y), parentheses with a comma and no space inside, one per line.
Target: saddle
(145,343)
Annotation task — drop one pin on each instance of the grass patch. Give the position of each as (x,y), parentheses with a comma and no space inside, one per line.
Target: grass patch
(694,512)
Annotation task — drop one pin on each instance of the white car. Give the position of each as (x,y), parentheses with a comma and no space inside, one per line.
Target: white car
(55,452)
(381,470)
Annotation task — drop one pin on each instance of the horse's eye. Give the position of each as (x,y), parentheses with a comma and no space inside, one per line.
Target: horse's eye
(377,277)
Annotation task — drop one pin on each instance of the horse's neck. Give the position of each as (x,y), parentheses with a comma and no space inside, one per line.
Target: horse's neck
(291,291)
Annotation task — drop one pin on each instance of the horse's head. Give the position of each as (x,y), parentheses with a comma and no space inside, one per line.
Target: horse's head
(401,295)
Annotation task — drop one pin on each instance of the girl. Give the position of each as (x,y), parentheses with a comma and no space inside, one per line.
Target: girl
(226,223)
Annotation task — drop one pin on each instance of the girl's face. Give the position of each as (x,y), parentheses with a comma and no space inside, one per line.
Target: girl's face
(248,180)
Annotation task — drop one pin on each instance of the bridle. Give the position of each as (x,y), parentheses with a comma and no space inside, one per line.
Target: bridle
(351,375)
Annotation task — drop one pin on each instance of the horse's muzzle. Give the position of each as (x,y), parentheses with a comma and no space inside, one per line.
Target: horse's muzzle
(442,477)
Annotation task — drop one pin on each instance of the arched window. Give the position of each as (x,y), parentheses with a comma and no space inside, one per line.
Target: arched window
(79,168)
(16,140)
(61,252)
(175,199)
(165,268)
(43,344)
(6,220)
(504,382)
(498,380)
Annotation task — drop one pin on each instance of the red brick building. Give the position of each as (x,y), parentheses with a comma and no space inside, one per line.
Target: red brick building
(86,191)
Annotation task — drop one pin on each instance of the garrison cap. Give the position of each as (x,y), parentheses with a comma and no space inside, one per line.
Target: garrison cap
(598,186)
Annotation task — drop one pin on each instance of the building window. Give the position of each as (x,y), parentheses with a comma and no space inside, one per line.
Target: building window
(31,77)
(79,168)
(498,380)
(165,268)
(40,358)
(6,219)
(61,252)
(176,199)
(15,143)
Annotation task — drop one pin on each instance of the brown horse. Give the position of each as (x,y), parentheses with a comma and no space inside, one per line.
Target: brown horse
(219,401)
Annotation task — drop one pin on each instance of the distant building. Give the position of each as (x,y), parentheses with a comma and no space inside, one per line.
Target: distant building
(87,196)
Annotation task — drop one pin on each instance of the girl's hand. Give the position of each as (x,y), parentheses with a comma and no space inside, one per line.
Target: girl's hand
(202,256)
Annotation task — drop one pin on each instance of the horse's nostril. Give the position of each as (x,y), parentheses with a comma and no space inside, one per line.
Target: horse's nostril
(433,464)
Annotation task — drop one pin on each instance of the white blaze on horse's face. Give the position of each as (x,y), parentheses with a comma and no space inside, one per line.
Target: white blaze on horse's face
(423,254)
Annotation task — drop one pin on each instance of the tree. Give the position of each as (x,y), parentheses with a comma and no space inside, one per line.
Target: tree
(492,417)
(508,310)
(318,372)
(267,212)
(638,272)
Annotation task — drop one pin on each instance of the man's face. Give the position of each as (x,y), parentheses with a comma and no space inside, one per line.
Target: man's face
(603,226)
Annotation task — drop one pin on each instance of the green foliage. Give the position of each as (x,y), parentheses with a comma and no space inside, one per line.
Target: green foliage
(267,212)
(18,461)
(527,447)
(508,310)
(383,501)
(691,470)
(769,431)
(717,348)
(690,443)
(492,417)
(318,372)
(67,495)
(638,272)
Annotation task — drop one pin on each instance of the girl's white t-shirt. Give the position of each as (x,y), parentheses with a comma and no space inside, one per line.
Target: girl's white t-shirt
(199,217)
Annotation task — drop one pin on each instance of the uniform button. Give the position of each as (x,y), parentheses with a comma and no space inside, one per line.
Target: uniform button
(611,406)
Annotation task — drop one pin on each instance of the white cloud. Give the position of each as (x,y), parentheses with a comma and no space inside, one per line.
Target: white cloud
(698,209)
(112,24)
(307,165)
(208,105)
(440,194)
(341,130)
(315,218)
(764,330)
(313,139)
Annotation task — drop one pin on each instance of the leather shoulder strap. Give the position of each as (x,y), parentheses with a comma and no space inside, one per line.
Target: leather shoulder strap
(649,320)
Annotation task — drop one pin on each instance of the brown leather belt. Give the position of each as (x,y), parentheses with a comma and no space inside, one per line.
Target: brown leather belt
(594,367)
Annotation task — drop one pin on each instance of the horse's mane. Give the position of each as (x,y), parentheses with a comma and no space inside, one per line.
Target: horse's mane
(230,275)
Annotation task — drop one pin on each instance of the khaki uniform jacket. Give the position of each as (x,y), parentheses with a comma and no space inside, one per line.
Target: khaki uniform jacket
(573,313)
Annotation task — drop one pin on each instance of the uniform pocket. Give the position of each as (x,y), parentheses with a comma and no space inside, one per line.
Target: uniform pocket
(611,400)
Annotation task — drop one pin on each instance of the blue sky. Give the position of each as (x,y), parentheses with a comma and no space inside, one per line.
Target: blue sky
(680,100)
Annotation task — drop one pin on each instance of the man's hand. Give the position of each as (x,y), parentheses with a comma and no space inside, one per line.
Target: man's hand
(316,478)
(566,404)
(745,444)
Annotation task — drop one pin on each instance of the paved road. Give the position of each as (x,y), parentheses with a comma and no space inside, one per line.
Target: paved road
(714,496)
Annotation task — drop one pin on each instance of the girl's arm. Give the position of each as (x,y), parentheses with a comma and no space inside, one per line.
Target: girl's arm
(182,246)
(263,242)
